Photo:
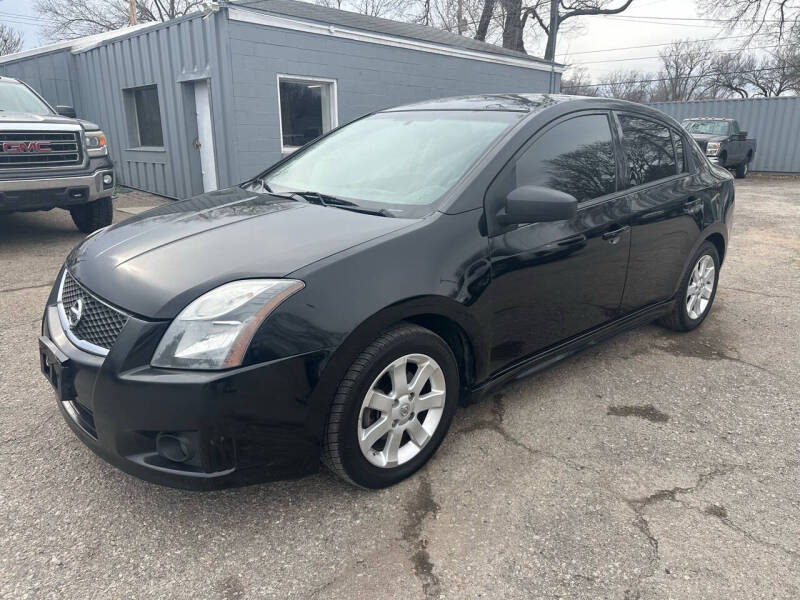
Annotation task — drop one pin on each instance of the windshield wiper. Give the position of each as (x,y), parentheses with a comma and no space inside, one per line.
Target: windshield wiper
(325,200)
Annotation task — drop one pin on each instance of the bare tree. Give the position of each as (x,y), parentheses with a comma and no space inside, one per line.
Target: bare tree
(729,73)
(687,71)
(67,19)
(10,40)
(558,11)
(635,86)
(773,75)
(578,82)
(778,17)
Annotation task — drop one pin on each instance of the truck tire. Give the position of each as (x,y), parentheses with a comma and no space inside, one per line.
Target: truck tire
(744,168)
(93,215)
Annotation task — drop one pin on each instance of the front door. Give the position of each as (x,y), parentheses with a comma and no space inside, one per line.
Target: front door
(553,281)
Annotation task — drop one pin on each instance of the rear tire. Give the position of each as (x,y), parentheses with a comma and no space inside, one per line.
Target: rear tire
(92,216)
(697,291)
(743,169)
(385,422)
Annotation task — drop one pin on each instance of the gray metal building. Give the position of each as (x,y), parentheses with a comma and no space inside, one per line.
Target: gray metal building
(774,122)
(210,99)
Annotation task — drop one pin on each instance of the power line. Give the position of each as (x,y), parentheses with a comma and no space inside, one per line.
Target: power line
(748,72)
(656,18)
(593,62)
(714,39)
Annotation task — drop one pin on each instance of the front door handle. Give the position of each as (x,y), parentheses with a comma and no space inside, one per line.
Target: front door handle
(612,237)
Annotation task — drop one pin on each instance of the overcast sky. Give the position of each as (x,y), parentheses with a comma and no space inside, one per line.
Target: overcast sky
(581,46)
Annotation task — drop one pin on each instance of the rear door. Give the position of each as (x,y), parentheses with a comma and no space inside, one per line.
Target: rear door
(552,281)
(664,208)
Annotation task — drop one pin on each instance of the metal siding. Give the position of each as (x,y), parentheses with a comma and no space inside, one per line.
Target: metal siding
(48,74)
(368,77)
(242,61)
(164,56)
(773,122)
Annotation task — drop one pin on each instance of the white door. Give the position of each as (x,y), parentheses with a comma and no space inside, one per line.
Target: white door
(205,136)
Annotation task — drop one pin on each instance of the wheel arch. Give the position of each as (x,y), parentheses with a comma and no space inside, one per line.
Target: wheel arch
(446,317)
(718,240)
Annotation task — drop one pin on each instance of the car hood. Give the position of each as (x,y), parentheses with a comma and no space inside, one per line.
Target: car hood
(708,137)
(155,263)
(12,118)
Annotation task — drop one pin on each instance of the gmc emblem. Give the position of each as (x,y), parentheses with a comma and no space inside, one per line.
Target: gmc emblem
(15,147)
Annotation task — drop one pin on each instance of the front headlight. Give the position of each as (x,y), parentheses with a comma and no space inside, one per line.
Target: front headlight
(712,148)
(96,143)
(215,330)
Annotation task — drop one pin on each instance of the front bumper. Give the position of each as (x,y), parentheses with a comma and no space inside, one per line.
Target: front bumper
(241,426)
(55,192)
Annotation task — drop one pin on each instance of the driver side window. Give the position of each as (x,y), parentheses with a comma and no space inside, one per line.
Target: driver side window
(576,156)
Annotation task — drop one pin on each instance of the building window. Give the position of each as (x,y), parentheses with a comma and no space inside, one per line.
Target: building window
(307,108)
(143,115)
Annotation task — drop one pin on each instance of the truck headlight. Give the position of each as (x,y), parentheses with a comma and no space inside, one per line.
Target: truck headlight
(96,144)
(215,330)
(712,148)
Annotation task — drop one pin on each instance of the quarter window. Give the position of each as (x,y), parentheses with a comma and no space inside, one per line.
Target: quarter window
(648,149)
(575,156)
(679,157)
(307,108)
(143,115)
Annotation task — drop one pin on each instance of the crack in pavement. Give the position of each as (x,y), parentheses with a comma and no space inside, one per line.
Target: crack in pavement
(638,505)
(422,506)
(725,287)
(27,287)
(496,424)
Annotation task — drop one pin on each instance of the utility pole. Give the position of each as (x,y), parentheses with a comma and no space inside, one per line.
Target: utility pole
(460,17)
(132,12)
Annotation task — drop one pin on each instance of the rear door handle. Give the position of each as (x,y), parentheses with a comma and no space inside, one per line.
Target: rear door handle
(613,236)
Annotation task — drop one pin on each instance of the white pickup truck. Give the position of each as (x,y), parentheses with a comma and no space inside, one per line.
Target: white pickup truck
(49,159)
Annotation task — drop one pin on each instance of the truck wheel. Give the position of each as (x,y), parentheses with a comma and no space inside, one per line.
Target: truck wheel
(92,216)
(742,169)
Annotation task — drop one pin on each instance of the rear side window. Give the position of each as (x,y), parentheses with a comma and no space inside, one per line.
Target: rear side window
(679,155)
(576,156)
(648,150)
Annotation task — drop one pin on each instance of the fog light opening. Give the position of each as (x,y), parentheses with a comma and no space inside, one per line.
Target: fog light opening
(107,179)
(174,447)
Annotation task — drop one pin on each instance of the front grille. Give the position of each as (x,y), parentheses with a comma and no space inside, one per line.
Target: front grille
(99,324)
(25,149)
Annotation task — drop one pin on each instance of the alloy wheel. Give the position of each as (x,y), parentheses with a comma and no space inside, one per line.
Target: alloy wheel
(402,410)
(700,288)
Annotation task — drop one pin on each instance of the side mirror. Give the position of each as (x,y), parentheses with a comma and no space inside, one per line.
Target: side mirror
(742,135)
(66,111)
(536,204)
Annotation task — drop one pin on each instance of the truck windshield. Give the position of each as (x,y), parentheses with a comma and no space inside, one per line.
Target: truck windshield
(400,161)
(15,97)
(708,127)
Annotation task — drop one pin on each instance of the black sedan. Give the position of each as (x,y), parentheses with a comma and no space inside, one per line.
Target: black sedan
(343,303)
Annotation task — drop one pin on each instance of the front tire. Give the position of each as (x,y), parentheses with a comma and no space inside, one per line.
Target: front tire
(93,215)
(392,408)
(697,291)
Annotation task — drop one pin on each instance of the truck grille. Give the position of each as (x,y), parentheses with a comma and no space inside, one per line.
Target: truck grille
(98,324)
(25,149)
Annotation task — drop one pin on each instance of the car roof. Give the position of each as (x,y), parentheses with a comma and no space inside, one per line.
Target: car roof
(708,119)
(529,103)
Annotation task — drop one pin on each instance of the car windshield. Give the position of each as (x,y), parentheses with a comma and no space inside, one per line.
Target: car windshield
(402,162)
(709,127)
(15,97)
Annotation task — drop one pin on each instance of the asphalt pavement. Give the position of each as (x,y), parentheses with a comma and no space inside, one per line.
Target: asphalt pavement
(655,465)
